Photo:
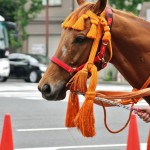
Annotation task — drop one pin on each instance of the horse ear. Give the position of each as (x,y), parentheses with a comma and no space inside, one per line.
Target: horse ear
(80,2)
(100,6)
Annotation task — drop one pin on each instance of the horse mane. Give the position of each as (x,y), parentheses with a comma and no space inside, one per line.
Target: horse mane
(129,14)
(90,6)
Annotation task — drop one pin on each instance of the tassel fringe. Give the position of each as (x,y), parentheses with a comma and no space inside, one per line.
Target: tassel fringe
(72,109)
(84,120)
(93,31)
(79,25)
(78,82)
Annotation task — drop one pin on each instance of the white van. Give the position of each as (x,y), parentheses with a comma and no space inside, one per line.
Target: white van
(4,65)
(4,45)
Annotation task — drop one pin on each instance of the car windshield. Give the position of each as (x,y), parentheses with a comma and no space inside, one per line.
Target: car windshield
(42,59)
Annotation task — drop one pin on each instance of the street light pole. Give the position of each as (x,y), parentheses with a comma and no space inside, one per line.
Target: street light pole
(47,27)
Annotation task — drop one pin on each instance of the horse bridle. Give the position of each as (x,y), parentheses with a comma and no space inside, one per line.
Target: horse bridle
(100,55)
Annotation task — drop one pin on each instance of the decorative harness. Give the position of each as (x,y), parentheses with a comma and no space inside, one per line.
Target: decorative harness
(100,56)
(83,118)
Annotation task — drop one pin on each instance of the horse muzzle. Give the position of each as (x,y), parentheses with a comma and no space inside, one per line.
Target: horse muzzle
(53,93)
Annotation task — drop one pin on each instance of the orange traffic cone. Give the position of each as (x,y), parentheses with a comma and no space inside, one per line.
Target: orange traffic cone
(133,142)
(7,137)
(148,141)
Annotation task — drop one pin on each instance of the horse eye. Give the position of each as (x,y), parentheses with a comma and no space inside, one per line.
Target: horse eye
(79,39)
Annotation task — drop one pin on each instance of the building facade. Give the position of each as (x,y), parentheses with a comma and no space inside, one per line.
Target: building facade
(38,32)
(36,43)
(144,11)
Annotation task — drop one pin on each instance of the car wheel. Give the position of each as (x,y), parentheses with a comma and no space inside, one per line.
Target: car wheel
(3,79)
(33,77)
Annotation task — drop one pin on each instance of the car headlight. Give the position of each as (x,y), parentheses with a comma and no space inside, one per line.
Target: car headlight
(43,68)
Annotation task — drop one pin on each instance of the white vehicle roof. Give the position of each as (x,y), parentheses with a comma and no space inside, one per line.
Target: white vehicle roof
(2,18)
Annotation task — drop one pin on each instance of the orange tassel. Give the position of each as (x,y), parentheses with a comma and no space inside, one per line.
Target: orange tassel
(92,32)
(71,22)
(85,118)
(72,109)
(79,25)
(78,82)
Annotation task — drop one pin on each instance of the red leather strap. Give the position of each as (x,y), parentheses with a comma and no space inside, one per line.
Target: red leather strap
(101,53)
(62,65)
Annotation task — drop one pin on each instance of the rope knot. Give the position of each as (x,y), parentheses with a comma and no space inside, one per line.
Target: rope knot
(94,21)
(103,21)
(107,35)
(106,29)
(135,100)
(89,66)
(91,95)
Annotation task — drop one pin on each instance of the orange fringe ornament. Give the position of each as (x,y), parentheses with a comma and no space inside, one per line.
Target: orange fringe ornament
(72,109)
(79,25)
(85,118)
(71,22)
(78,81)
(93,31)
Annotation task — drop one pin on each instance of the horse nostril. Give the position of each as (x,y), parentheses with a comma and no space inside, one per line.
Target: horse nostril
(46,88)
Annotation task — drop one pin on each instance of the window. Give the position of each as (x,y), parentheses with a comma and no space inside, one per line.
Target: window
(92,0)
(148,14)
(52,2)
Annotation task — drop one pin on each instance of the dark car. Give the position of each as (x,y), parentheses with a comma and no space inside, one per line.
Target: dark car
(27,67)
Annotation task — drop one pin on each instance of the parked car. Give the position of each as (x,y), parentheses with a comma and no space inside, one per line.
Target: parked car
(4,65)
(27,66)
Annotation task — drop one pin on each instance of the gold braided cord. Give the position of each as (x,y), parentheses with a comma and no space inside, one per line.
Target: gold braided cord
(84,119)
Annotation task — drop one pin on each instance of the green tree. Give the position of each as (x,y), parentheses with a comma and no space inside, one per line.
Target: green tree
(20,12)
(128,5)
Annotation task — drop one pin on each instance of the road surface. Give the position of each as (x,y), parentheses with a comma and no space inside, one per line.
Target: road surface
(39,124)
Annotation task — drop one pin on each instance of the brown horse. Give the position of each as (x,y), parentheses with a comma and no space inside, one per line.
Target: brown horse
(130,45)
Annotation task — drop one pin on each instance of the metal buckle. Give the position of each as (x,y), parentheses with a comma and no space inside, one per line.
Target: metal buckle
(105,43)
(104,63)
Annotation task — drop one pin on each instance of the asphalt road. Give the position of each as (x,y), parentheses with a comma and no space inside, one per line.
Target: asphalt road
(39,124)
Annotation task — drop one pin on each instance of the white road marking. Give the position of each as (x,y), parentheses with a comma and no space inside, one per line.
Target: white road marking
(142,146)
(38,97)
(41,129)
(25,92)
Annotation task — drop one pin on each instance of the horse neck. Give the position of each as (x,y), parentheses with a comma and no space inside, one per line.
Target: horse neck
(131,50)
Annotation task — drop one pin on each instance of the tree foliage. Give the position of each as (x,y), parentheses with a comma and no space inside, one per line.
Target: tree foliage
(128,5)
(20,12)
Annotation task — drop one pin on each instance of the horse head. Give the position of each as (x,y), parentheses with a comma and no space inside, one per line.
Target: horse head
(73,50)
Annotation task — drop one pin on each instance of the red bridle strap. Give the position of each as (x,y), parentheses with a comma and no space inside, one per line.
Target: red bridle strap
(62,64)
(71,70)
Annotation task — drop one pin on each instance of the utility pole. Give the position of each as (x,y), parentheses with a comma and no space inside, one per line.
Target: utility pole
(47,27)
(73,6)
